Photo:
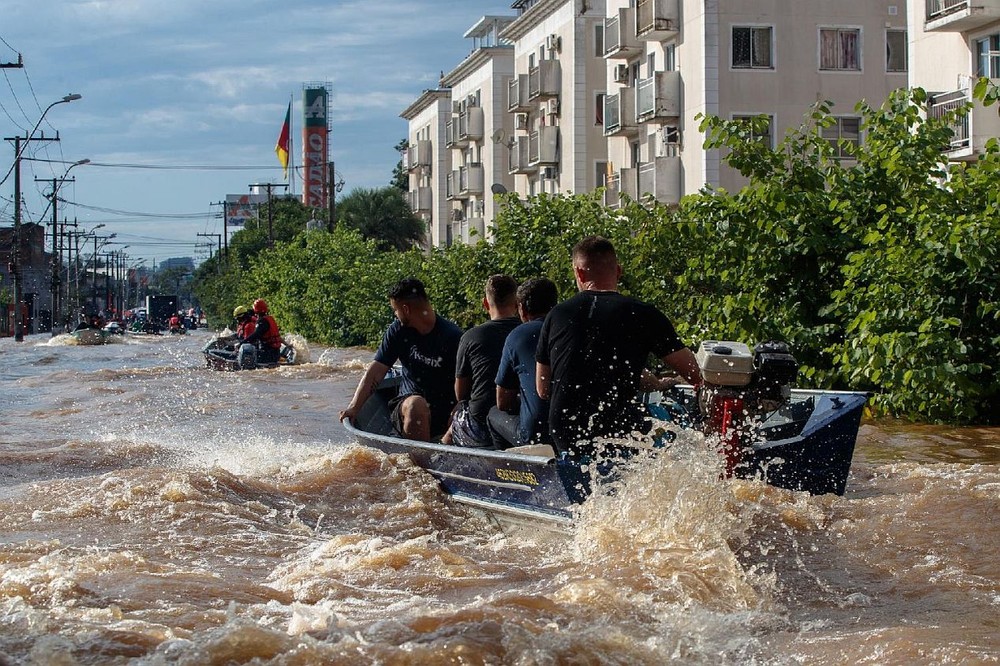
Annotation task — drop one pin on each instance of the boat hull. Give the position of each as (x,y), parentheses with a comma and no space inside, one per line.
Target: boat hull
(90,336)
(805,446)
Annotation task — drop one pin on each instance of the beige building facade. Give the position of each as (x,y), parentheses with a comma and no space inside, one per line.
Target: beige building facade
(952,44)
(579,94)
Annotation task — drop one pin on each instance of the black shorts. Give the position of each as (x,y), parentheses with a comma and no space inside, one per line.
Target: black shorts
(440,415)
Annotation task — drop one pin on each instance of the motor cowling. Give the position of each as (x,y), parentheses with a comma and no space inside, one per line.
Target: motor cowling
(739,386)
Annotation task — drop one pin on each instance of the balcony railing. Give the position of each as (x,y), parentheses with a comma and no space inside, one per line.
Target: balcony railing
(420,199)
(418,155)
(656,20)
(517,161)
(661,178)
(517,93)
(617,184)
(658,97)
(619,113)
(470,180)
(952,101)
(543,146)
(960,15)
(544,80)
(619,38)
(470,125)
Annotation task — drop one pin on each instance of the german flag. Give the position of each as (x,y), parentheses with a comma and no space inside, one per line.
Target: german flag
(281,148)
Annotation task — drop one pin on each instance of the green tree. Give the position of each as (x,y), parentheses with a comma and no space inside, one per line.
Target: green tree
(381,215)
(400,179)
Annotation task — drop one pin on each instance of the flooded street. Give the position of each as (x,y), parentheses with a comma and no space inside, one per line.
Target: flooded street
(153,511)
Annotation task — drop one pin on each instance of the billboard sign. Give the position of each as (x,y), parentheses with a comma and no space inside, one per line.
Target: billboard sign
(240,208)
(315,147)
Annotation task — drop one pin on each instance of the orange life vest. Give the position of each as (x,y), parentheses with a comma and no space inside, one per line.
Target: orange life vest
(272,337)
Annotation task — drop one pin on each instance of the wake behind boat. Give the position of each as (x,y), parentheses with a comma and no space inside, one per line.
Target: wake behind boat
(796,439)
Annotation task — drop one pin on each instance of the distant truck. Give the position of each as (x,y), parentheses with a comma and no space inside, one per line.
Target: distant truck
(161,308)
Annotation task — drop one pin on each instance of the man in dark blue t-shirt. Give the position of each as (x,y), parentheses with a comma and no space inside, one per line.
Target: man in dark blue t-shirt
(425,346)
(520,417)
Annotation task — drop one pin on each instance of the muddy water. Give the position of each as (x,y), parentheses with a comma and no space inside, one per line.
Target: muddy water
(155,512)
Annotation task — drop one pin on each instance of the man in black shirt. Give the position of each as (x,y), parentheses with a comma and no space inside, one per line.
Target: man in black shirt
(592,351)
(478,359)
(425,345)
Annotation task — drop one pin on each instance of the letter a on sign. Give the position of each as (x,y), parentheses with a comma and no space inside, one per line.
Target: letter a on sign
(317,109)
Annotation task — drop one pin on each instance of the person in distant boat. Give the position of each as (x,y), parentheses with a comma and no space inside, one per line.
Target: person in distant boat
(426,346)
(90,318)
(477,362)
(519,416)
(244,321)
(175,322)
(593,349)
(265,335)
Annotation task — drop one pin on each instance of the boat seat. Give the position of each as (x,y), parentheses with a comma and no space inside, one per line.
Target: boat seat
(533,450)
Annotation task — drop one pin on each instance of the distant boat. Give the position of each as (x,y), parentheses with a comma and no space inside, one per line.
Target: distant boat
(90,336)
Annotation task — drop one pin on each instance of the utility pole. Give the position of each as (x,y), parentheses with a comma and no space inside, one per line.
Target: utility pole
(16,257)
(270,208)
(55,286)
(225,228)
(218,237)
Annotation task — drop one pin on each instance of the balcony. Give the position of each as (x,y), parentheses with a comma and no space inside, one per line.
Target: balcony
(619,113)
(470,180)
(517,160)
(972,129)
(618,184)
(544,80)
(658,97)
(517,94)
(418,155)
(420,199)
(661,178)
(656,20)
(620,42)
(543,146)
(470,125)
(451,139)
(960,15)
(451,184)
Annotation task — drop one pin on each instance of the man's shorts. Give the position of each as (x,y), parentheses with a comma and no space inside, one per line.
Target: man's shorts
(467,431)
(439,417)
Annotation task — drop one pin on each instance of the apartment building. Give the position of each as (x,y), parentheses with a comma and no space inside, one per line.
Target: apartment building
(607,93)
(670,60)
(952,43)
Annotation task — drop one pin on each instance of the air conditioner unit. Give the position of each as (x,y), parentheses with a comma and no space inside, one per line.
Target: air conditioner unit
(552,107)
(521,121)
(621,73)
(553,42)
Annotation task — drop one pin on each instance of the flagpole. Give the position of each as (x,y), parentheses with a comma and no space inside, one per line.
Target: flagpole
(291,150)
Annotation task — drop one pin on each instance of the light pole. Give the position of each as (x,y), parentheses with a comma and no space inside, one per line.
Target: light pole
(16,169)
(56,283)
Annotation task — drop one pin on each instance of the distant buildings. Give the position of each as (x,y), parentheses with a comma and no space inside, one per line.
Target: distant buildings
(566,96)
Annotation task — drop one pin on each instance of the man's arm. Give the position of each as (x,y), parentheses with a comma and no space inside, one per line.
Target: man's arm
(543,380)
(649,382)
(507,400)
(463,388)
(373,375)
(260,328)
(686,365)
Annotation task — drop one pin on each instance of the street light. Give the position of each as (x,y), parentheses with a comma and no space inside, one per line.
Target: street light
(55,284)
(15,168)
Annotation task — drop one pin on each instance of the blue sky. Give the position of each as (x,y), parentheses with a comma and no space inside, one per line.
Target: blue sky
(205,83)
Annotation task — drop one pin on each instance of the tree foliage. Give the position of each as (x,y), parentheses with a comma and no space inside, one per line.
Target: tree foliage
(382,215)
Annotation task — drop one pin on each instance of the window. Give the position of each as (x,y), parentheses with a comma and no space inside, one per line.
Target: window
(670,58)
(762,127)
(599,40)
(988,56)
(602,174)
(650,63)
(840,49)
(895,51)
(847,130)
(599,109)
(751,47)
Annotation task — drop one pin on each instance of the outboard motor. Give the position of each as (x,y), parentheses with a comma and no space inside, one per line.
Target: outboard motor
(739,385)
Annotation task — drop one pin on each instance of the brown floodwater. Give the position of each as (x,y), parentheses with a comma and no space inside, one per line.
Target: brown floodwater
(153,511)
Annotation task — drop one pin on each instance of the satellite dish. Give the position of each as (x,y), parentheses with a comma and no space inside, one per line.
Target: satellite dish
(500,136)
(498,188)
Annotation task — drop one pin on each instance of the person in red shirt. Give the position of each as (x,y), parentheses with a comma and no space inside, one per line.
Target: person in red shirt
(266,335)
